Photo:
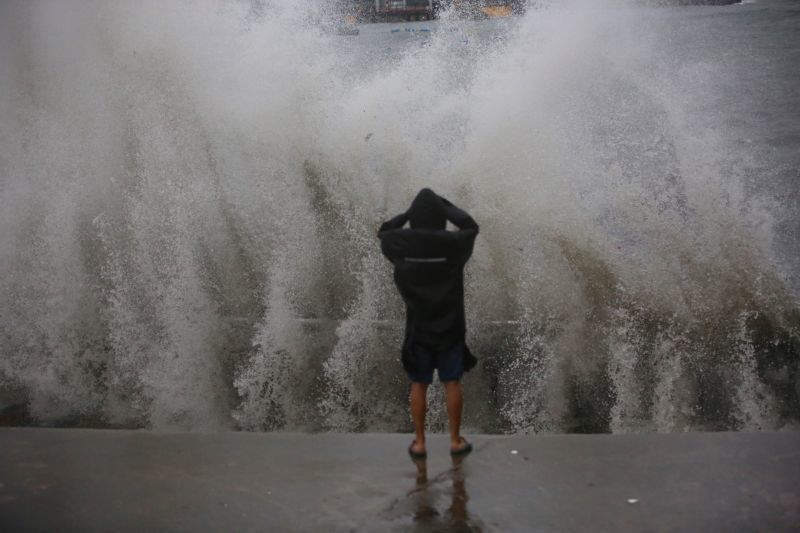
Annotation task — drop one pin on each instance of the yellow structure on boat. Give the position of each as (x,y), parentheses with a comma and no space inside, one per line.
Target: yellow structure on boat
(497,9)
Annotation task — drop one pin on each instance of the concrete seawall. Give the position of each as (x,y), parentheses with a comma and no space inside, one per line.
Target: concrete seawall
(105,480)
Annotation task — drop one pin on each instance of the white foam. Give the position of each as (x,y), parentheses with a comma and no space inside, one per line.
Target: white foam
(167,166)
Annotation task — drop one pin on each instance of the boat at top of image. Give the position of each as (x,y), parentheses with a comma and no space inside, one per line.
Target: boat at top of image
(415,10)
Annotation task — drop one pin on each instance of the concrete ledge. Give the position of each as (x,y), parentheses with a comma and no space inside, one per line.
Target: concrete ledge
(105,480)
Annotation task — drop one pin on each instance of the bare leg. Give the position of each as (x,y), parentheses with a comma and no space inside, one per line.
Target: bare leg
(418,407)
(455,401)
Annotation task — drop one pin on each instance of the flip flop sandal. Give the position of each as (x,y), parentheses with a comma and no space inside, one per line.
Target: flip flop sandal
(416,455)
(462,451)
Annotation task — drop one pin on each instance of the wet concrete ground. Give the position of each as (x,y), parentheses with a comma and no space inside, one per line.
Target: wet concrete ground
(106,480)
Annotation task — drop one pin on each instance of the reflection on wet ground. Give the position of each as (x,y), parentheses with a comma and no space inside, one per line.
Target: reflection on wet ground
(90,480)
(437,504)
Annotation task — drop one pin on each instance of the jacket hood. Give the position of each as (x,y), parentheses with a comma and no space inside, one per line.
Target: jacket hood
(427,211)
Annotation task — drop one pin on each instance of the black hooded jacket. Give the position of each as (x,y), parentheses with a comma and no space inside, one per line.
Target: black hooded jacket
(429,273)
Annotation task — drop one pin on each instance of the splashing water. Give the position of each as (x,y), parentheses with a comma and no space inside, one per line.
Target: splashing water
(190,194)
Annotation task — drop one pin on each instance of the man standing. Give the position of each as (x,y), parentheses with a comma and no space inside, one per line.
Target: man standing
(429,272)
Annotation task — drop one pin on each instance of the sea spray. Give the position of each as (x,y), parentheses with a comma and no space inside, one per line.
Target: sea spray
(190,195)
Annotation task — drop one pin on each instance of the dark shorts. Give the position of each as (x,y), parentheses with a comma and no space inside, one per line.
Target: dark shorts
(449,364)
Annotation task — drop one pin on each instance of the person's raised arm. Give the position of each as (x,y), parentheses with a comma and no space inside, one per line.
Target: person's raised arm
(459,217)
(391,241)
(467,230)
(394,223)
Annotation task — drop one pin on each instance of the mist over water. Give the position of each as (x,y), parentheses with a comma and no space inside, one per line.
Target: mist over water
(190,192)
